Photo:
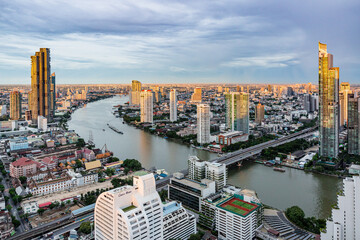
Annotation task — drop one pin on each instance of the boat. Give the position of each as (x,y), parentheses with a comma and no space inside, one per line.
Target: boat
(104,130)
(114,129)
(279,169)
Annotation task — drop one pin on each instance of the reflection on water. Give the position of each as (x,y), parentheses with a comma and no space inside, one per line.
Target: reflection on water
(313,193)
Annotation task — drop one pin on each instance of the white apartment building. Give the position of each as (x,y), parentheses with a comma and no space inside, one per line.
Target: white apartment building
(203,123)
(146,106)
(345,221)
(130,212)
(173,105)
(177,222)
(196,168)
(42,123)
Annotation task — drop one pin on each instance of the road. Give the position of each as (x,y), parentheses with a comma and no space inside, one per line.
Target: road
(242,154)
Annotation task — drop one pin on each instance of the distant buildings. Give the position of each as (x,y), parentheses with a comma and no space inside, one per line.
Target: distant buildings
(15,105)
(237,111)
(353,126)
(310,103)
(40,98)
(259,113)
(135,92)
(328,104)
(345,220)
(173,105)
(203,123)
(42,123)
(146,106)
(197,95)
(343,100)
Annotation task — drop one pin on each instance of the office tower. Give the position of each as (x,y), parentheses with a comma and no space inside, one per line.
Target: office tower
(269,88)
(220,89)
(353,124)
(203,123)
(237,88)
(146,106)
(259,113)
(177,222)
(40,94)
(328,104)
(343,100)
(310,103)
(130,212)
(196,168)
(197,95)
(42,123)
(173,105)
(237,111)
(15,105)
(52,94)
(248,89)
(289,91)
(135,92)
(345,221)
(216,172)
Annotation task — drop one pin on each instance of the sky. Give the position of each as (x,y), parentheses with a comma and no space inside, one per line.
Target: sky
(169,41)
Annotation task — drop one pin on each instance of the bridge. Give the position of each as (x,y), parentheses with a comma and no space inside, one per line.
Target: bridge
(242,154)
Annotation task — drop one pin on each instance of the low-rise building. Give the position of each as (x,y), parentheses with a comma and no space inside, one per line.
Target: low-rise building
(50,185)
(6,225)
(23,167)
(229,138)
(30,207)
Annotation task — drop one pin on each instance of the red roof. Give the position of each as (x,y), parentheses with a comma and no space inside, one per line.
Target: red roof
(24,161)
(47,160)
(44,204)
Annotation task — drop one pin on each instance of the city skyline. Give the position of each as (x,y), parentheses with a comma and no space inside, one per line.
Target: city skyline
(172,43)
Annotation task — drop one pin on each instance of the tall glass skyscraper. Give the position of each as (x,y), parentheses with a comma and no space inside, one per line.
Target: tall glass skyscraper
(353,124)
(328,104)
(237,111)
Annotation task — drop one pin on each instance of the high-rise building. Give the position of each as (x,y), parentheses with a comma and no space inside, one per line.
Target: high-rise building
(353,127)
(289,91)
(130,212)
(40,95)
(196,168)
(197,95)
(15,105)
(328,104)
(135,92)
(173,105)
(259,113)
(52,94)
(345,221)
(343,100)
(237,111)
(269,88)
(203,123)
(42,123)
(310,103)
(220,89)
(146,106)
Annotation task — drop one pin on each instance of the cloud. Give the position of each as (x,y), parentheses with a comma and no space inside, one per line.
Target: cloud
(263,61)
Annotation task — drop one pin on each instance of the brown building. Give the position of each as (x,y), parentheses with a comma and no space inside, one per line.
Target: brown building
(259,113)
(15,105)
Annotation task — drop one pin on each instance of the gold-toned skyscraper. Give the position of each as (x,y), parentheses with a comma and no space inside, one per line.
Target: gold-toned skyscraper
(259,113)
(197,95)
(135,92)
(343,100)
(15,105)
(40,95)
(328,104)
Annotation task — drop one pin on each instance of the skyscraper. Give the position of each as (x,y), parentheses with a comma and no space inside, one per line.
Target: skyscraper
(40,95)
(237,111)
(146,106)
(259,113)
(15,105)
(343,96)
(173,105)
(345,221)
(353,124)
(203,123)
(310,103)
(328,104)
(135,92)
(52,94)
(197,95)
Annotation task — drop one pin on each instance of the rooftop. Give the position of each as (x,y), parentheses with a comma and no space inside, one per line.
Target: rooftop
(238,206)
(140,173)
(92,165)
(129,208)
(194,184)
(24,161)
(170,207)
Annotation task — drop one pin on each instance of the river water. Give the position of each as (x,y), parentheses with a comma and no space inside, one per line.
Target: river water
(312,192)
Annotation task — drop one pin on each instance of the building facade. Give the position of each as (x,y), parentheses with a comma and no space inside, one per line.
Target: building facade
(203,123)
(197,95)
(146,106)
(343,100)
(237,111)
(22,167)
(40,94)
(15,105)
(259,113)
(328,104)
(345,220)
(173,105)
(135,92)
(353,126)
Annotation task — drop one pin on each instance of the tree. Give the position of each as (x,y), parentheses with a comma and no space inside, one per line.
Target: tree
(85,227)
(2,188)
(22,179)
(78,163)
(17,199)
(40,211)
(80,143)
(8,207)
(15,221)
(132,164)
(110,171)
(163,195)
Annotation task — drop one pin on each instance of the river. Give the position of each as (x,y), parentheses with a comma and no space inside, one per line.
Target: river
(314,193)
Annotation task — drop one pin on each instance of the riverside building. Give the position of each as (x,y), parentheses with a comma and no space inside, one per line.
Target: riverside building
(203,123)
(135,92)
(146,106)
(237,111)
(173,105)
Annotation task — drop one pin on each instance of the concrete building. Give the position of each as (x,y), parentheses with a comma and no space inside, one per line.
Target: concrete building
(343,100)
(197,95)
(259,113)
(6,225)
(310,103)
(203,123)
(173,105)
(146,106)
(15,105)
(353,125)
(345,220)
(42,123)
(23,167)
(328,104)
(196,168)
(130,212)
(135,92)
(231,138)
(40,94)
(237,111)
(52,94)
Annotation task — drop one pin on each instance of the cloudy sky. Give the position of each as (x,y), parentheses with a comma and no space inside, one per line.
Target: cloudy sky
(196,41)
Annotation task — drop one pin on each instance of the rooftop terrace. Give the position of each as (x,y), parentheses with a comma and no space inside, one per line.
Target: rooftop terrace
(238,206)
